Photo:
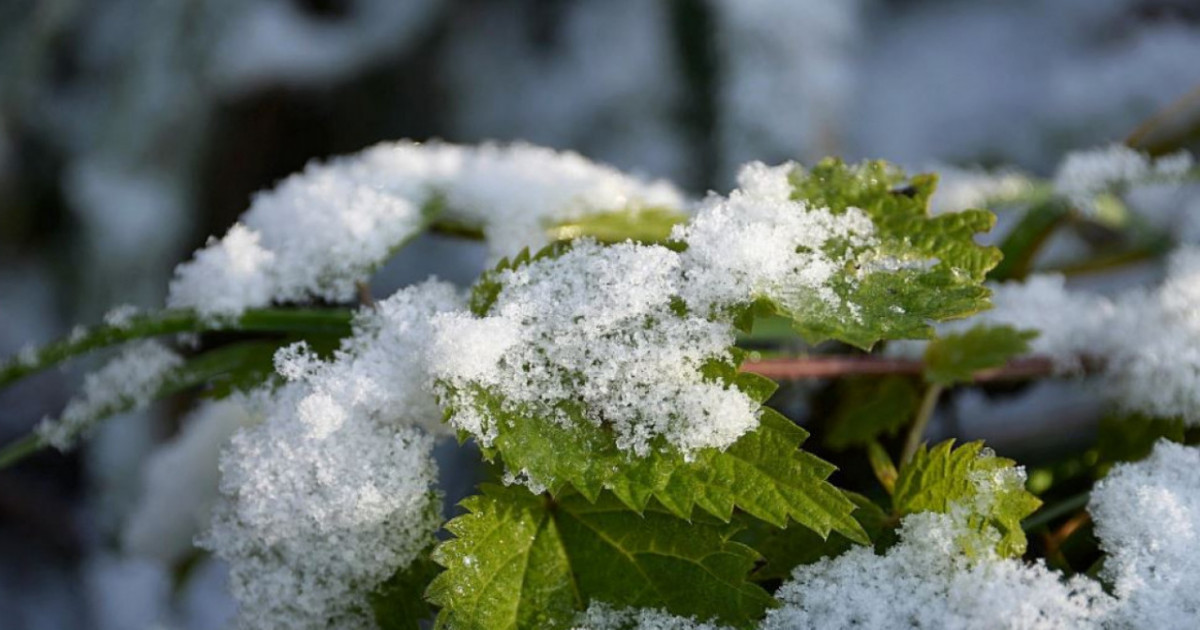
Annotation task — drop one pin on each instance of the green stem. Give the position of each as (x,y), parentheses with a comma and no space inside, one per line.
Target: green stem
(311,321)
(196,372)
(1049,513)
(917,431)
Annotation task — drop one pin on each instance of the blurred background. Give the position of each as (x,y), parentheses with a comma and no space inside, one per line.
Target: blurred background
(130,130)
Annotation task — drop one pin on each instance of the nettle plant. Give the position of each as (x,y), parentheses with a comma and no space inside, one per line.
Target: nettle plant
(612,367)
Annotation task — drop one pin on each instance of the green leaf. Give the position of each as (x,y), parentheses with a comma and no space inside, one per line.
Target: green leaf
(955,358)
(1025,240)
(646,225)
(520,560)
(971,477)
(922,269)
(785,549)
(763,473)
(399,604)
(870,407)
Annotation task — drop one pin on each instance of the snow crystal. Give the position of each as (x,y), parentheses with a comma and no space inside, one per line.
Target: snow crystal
(311,524)
(927,581)
(760,243)
(1148,521)
(321,231)
(129,380)
(331,493)
(596,325)
(1083,175)
(601,616)
(180,483)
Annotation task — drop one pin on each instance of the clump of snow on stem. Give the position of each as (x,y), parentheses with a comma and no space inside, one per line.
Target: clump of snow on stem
(960,188)
(321,231)
(1146,343)
(760,243)
(1148,520)
(1083,175)
(602,616)
(181,483)
(332,492)
(944,573)
(596,326)
(128,381)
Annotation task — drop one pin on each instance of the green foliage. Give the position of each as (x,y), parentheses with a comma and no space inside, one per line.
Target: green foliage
(520,560)
(646,225)
(1128,438)
(938,479)
(399,604)
(786,549)
(922,269)
(955,358)
(870,407)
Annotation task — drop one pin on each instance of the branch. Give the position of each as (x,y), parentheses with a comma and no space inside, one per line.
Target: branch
(802,368)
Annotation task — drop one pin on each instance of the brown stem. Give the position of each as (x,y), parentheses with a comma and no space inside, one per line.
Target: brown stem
(801,368)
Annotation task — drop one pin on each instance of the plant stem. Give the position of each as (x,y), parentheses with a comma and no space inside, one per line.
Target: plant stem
(14,452)
(319,321)
(924,413)
(1050,512)
(799,368)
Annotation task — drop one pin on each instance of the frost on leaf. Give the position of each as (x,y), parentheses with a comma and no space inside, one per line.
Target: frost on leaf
(520,560)
(580,368)
(915,270)
(990,490)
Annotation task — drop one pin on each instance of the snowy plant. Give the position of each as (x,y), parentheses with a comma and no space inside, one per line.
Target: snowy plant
(613,367)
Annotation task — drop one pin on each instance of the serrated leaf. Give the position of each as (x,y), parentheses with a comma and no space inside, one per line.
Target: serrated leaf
(785,549)
(399,604)
(923,268)
(969,477)
(956,357)
(869,408)
(763,473)
(520,560)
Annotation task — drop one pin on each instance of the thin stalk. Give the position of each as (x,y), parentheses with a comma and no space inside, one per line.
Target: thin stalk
(1049,513)
(837,366)
(312,321)
(924,413)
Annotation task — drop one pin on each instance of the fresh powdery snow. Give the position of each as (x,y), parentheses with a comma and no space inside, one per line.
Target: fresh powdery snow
(332,491)
(759,242)
(129,380)
(1083,175)
(1148,520)
(595,325)
(321,231)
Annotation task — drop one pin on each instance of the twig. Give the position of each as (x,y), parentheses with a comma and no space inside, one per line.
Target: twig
(801,368)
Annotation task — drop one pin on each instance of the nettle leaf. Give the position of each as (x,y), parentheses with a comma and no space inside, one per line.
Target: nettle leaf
(399,604)
(955,358)
(870,407)
(646,225)
(784,549)
(520,560)
(763,473)
(923,268)
(968,477)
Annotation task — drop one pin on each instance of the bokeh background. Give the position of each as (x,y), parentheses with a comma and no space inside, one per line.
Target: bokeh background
(130,130)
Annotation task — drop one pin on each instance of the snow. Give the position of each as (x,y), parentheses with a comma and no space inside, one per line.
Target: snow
(332,492)
(180,484)
(321,231)
(597,326)
(601,616)
(1147,517)
(1083,175)
(129,380)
